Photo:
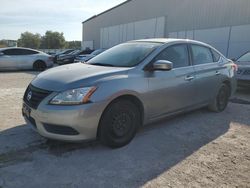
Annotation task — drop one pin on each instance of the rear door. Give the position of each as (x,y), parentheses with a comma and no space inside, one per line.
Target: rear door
(171,91)
(207,72)
(27,58)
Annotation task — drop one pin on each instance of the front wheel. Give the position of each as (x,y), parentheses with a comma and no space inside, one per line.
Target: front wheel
(119,123)
(221,101)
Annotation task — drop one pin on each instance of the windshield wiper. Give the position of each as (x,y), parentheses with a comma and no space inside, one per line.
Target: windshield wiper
(102,64)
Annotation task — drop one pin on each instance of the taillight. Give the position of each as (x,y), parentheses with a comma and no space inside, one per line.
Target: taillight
(235,67)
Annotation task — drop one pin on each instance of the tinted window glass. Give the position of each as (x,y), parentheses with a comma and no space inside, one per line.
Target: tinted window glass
(201,55)
(10,52)
(19,52)
(125,55)
(216,56)
(177,54)
(29,52)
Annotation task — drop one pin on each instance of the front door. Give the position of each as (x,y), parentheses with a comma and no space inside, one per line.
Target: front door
(172,91)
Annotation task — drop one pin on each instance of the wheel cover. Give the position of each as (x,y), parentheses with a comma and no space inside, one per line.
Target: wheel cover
(121,124)
(222,99)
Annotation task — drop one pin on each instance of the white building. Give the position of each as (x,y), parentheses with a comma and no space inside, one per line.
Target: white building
(225,24)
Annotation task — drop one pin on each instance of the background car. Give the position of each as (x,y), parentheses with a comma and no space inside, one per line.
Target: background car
(243,73)
(64,52)
(135,83)
(69,58)
(83,58)
(24,59)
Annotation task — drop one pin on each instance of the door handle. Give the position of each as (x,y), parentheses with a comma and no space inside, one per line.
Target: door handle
(217,73)
(189,78)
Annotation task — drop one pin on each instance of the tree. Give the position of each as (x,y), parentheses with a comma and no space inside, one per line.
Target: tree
(52,40)
(29,40)
(73,45)
(2,44)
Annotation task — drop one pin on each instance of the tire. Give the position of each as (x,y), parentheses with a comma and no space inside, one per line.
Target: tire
(119,123)
(220,103)
(39,66)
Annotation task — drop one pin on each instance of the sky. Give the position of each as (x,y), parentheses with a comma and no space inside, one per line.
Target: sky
(38,16)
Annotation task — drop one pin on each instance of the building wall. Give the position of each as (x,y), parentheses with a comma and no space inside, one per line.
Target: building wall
(152,28)
(223,23)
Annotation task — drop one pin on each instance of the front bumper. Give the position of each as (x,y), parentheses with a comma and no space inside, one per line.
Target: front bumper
(65,61)
(66,123)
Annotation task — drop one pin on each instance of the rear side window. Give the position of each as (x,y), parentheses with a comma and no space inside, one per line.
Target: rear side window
(201,55)
(29,52)
(216,55)
(19,52)
(177,54)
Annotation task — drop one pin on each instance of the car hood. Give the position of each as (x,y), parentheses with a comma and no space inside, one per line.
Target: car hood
(74,76)
(85,57)
(66,57)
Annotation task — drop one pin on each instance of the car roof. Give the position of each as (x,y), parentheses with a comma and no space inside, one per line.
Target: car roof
(169,40)
(174,40)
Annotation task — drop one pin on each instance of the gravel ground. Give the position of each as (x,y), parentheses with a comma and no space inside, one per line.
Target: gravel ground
(198,149)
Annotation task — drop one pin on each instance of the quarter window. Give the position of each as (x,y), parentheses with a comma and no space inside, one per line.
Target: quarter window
(177,54)
(216,56)
(201,55)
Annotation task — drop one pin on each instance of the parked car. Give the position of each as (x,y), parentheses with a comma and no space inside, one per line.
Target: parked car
(69,58)
(24,59)
(86,57)
(243,73)
(64,52)
(127,86)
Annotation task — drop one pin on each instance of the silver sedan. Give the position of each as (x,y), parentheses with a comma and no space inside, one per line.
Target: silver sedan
(127,86)
(24,59)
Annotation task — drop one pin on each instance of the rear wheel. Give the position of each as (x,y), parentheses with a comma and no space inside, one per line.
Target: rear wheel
(119,123)
(221,101)
(39,66)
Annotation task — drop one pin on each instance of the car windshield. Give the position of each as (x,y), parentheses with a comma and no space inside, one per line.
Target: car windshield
(244,58)
(125,55)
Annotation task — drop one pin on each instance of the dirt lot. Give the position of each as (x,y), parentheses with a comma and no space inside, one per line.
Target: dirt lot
(198,149)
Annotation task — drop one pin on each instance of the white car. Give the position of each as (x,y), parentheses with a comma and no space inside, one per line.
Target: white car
(24,59)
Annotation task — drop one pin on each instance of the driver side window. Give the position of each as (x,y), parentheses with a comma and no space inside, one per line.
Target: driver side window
(177,54)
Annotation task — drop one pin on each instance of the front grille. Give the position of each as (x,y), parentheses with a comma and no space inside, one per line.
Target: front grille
(33,96)
(62,130)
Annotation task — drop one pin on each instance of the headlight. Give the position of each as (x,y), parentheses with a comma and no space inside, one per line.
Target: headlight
(74,96)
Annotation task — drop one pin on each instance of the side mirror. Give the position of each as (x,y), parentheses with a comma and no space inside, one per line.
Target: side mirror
(1,53)
(163,65)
